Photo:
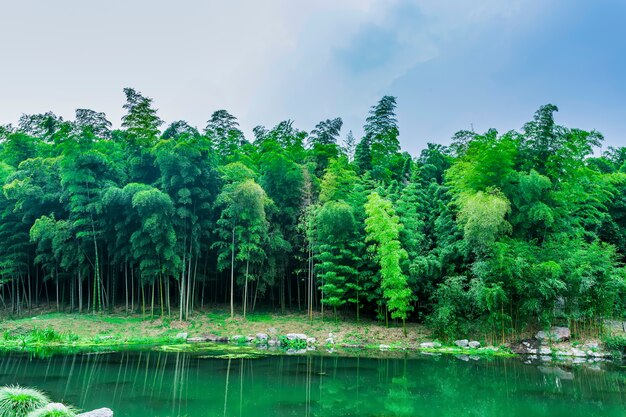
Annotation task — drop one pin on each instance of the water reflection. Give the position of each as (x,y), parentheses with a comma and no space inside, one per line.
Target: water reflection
(176,384)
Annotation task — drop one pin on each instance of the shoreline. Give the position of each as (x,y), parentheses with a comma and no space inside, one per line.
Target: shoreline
(50,333)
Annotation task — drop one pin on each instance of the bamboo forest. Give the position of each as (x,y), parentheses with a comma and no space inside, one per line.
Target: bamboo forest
(493,233)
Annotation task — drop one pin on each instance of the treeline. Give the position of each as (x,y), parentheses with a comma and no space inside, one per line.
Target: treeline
(497,231)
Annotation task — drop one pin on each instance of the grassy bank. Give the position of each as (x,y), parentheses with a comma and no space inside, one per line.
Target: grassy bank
(49,332)
(45,328)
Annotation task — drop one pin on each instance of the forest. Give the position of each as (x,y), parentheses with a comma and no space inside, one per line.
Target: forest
(497,231)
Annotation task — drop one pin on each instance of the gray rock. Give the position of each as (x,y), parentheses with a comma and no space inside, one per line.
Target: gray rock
(181,336)
(311,341)
(545,351)
(462,343)
(464,358)
(217,339)
(474,344)
(383,347)
(198,339)
(556,334)
(272,342)
(427,345)
(296,336)
(262,337)
(100,412)
(272,330)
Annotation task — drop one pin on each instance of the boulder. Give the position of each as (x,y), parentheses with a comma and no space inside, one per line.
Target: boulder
(217,339)
(427,345)
(384,347)
(462,343)
(100,412)
(474,344)
(197,339)
(311,341)
(525,346)
(262,337)
(296,336)
(555,334)
(181,336)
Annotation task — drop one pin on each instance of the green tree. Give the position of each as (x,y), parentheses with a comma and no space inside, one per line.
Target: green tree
(383,229)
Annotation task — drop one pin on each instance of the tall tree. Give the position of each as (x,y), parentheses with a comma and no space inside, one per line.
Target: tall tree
(383,229)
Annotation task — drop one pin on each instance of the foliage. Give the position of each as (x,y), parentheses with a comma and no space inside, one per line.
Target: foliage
(498,231)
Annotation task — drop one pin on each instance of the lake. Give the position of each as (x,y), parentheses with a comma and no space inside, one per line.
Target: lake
(147,384)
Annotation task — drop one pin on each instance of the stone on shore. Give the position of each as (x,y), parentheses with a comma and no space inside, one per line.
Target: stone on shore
(100,412)
(462,343)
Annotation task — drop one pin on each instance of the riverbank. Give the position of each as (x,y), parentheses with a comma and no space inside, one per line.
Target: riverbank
(52,331)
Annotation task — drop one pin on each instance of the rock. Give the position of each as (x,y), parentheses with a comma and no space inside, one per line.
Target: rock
(198,339)
(545,351)
(262,337)
(100,412)
(525,347)
(474,357)
(296,336)
(311,341)
(272,330)
(238,339)
(181,336)
(249,339)
(591,345)
(556,334)
(272,342)
(217,339)
(462,343)
(427,345)
(474,344)
(464,358)
(579,353)
(384,347)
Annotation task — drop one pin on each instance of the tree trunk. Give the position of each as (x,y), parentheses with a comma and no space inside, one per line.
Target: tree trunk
(232,276)
(245,287)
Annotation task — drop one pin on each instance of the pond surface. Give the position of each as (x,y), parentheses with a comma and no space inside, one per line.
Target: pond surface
(147,384)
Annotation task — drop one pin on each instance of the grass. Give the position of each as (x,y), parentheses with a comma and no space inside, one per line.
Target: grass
(16,401)
(51,332)
(53,410)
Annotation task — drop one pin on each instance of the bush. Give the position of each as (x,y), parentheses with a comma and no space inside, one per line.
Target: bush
(616,344)
(16,401)
(53,410)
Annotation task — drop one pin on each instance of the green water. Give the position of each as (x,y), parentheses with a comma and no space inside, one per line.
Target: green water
(142,384)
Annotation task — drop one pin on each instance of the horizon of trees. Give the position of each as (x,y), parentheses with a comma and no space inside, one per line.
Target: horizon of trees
(495,232)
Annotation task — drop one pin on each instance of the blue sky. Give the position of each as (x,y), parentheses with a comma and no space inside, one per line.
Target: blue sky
(453,64)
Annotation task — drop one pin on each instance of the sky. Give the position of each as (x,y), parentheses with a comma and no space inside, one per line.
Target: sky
(452,64)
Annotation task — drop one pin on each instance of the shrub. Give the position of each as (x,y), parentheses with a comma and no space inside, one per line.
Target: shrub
(16,401)
(616,344)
